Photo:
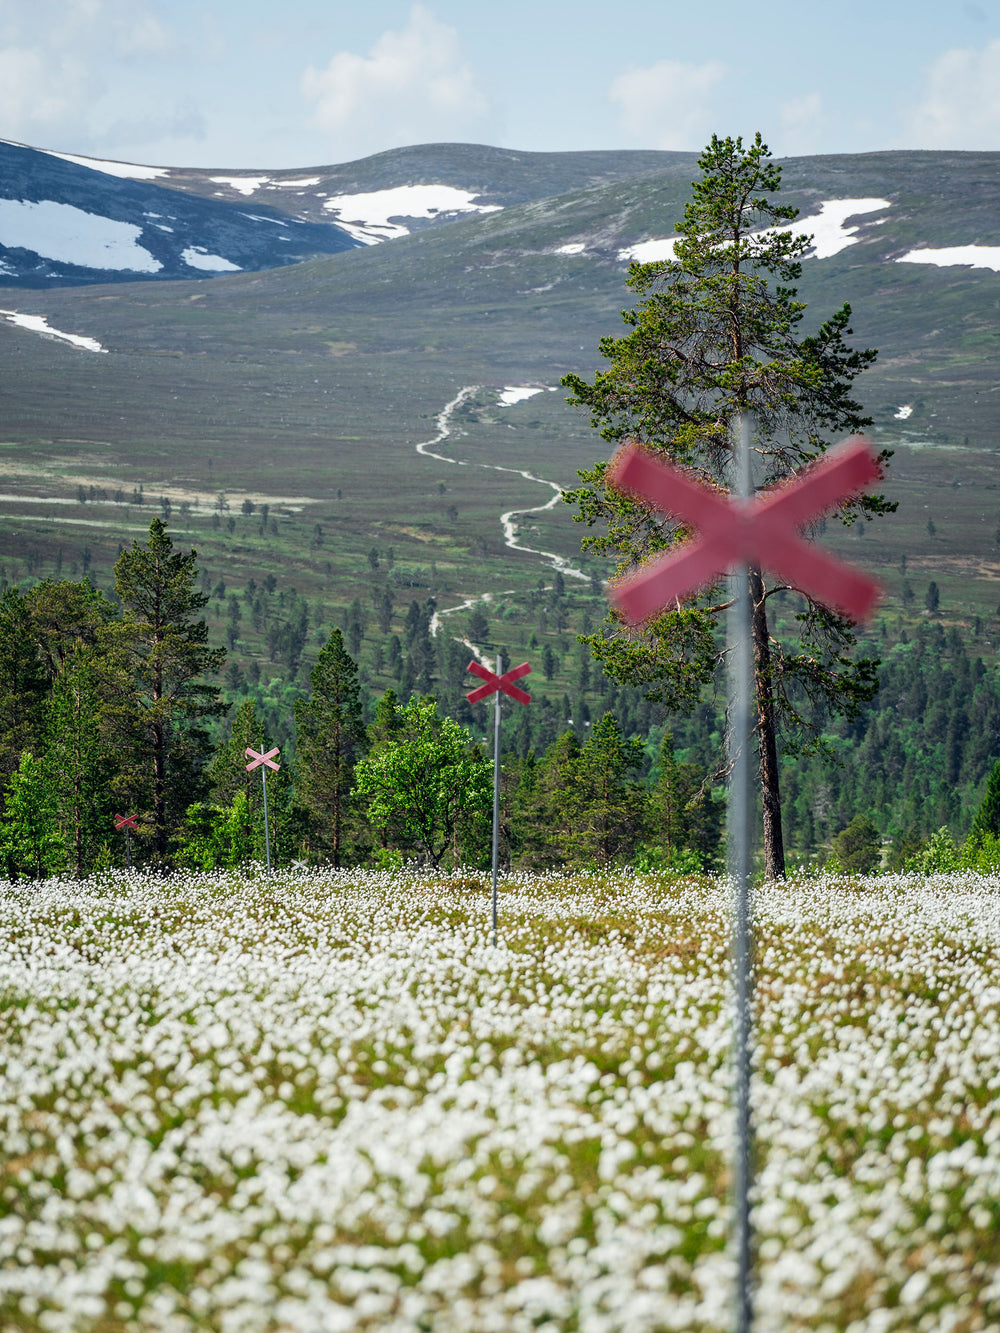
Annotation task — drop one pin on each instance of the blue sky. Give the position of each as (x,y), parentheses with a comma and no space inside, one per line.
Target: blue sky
(250,83)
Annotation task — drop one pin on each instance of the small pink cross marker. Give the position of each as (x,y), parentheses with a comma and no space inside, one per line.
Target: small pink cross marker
(495,682)
(258,759)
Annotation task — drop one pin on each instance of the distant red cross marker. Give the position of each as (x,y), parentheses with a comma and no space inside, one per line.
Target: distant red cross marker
(257,759)
(762,532)
(495,682)
(126,822)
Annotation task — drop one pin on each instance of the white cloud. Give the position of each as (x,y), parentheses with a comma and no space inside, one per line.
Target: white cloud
(960,106)
(414,85)
(802,122)
(61,62)
(669,104)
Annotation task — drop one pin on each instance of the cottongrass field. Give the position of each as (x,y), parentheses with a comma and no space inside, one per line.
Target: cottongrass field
(323,1102)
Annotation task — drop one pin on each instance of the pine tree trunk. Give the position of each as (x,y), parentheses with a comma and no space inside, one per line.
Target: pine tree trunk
(159,791)
(774,846)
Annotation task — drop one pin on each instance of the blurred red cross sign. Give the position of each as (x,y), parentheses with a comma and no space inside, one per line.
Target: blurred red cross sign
(126,822)
(495,682)
(257,759)
(762,532)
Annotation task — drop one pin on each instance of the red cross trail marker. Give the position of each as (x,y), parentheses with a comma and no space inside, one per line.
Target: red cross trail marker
(761,531)
(497,683)
(127,822)
(258,759)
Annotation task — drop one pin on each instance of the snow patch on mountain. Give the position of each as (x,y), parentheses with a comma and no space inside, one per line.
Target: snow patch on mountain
(39,324)
(516,393)
(366,217)
(245,185)
(649,252)
(124,170)
(195,256)
(971,256)
(70,235)
(828,229)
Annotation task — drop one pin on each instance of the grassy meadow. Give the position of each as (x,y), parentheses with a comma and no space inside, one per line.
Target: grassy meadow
(323,1101)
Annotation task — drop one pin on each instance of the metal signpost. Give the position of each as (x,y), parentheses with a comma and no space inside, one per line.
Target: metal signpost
(127,822)
(734,535)
(497,683)
(264,762)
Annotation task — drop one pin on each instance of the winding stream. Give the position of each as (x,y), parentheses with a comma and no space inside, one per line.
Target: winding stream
(508,520)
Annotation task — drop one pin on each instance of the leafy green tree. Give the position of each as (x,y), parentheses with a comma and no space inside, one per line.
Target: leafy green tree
(167,647)
(427,787)
(940,856)
(858,848)
(709,340)
(330,738)
(30,845)
(216,836)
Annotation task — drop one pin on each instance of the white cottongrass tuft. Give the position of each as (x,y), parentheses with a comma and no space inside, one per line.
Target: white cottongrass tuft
(323,1101)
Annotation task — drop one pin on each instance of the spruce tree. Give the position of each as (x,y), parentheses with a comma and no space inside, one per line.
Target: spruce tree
(235,793)
(24,686)
(166,643)
(986,823)
(710,340)
(329,740)
(81,756)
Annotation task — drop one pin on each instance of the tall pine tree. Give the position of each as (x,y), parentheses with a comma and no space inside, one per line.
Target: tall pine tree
(710,340)
(167,647)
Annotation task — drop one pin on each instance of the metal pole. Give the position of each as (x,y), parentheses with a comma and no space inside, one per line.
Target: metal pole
(128,847)
(267,832)
(496,796)
(740,733)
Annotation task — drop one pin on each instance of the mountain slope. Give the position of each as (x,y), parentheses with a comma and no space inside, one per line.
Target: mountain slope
(63,223)
(307,387)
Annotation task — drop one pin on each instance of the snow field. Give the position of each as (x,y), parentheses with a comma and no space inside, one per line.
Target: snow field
(827,227)
(39,324)
(321,1101)
(368,217)
(971,256)
(73,236)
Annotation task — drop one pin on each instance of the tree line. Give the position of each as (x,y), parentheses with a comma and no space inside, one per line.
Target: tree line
(105,709)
